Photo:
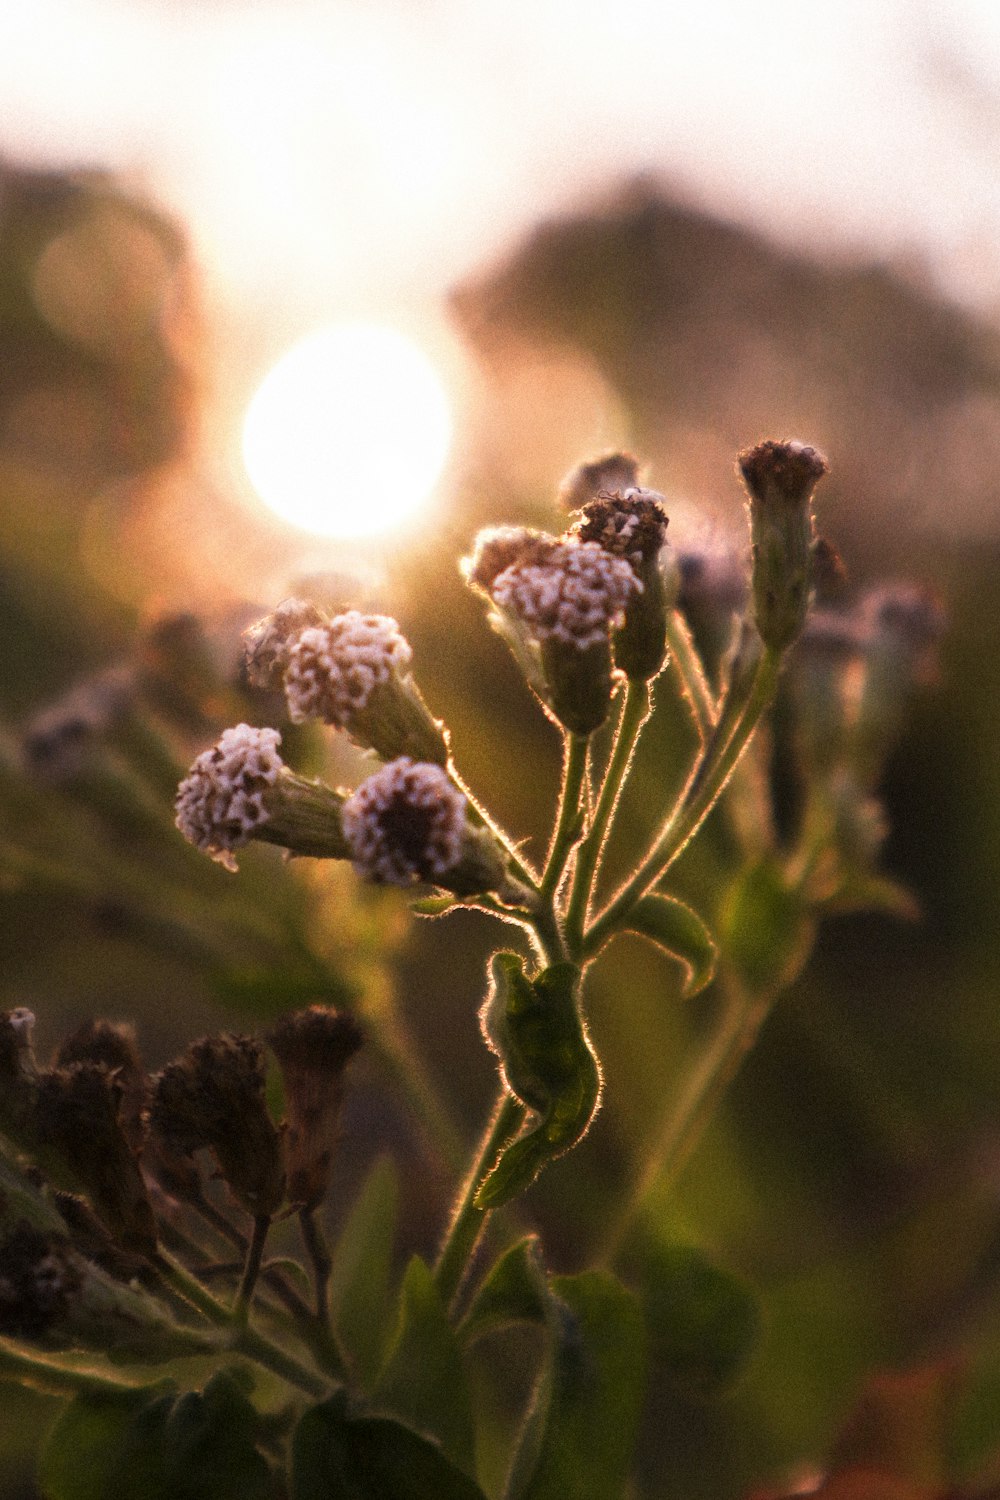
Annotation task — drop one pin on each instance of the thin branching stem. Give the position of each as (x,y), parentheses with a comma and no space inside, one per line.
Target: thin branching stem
(251,1266)
(468,1220)
(687,668)
(711,773)
(634,713)
(319,1258)
(569,817)
(43,1372)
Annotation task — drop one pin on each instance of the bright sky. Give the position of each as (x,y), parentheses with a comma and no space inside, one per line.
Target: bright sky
(327,152)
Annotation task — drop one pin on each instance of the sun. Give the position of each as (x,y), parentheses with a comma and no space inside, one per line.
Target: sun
(348,434)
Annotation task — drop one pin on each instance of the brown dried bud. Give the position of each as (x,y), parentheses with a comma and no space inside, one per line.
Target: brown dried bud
(500,547)
(633,525)
(213,1096)
(113,1044)
(313,1047)
(78,1117)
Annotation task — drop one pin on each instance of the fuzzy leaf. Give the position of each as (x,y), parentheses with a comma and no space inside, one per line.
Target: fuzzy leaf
(584,1420)
(336,1456)
(766,930)
(679,931)
(536,1029)
(362,1266)
(514,1291)
(423,1381)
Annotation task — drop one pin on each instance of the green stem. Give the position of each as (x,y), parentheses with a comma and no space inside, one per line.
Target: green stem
(735,1033)
(567,827)
(737,723)
(468,1220)
(43,1373)
(687,667)
(525,874)
(251,1267)
(244,1339)
(635,711)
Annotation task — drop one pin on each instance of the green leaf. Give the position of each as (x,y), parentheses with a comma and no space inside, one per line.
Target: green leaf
(536,1029)
(584,1420)
(423,1380)
(156,1446)
(336,1456)
(362,1267)
(766,930)
(679,931)
(514,1291)
(433,906)
(703,1322)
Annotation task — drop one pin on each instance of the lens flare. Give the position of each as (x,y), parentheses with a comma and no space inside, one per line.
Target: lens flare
(348,434)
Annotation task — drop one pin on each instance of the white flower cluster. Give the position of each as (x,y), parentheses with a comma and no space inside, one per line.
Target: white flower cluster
(333,669)
(221,800)
(576,594)
(406,823)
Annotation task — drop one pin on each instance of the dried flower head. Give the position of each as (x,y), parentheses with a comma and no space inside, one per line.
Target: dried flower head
(633,525)
(221,801)
(576,594)
(39,1281)
(499,547)
(406,824)
(78,1116)
(213,1096)
(113,1045)
(333,669)
(269,641)
(313,1047)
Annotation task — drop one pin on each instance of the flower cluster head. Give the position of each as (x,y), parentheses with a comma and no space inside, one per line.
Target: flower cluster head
(632,524)
(406,824)
(574,595)
(221,801)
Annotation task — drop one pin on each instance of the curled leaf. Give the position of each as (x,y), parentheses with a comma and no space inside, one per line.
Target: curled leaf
(536,1030)
(679,931)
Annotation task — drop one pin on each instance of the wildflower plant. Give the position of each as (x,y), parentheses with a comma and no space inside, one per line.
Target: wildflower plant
(100,1239)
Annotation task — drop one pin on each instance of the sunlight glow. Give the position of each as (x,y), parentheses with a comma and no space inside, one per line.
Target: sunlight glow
(349,432)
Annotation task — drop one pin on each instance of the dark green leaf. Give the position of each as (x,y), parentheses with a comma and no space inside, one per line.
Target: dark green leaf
(679,931)
(536,1029)
(703,1322)
(423,1380)
(362,1266)
(581,1432)
(339,1457)
(514,1291)
(766,930)
(158,1447)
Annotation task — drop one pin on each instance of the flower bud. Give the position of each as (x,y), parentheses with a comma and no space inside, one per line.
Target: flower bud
(213,1096)
(408,824)
(353,673)
(558,605)
(114,1046)
(611,474)
(78,1118)
(268,642)
(241,790)
(313,1048)
(780,479)
(633,525)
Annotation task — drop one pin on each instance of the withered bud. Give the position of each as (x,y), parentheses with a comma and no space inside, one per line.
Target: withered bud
(39,1282)
(780,479)
(78,1117)
(270,640)
(633,525)
(313,1048)
(213,1096)
(113,1044)
(18,1074)
(609,474)
(500,547)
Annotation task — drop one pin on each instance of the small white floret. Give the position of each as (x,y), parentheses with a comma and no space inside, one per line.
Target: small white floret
(221,801)
(333,669)
(406,823)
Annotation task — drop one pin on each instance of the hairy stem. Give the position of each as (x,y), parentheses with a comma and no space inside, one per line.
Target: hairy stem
(687,668)
(635,711)
(567,829)
(251,1267)
(44,1373)
(737,722)
(319,1259)
(467,1220)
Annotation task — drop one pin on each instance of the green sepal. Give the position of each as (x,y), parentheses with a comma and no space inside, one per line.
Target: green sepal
(546,1059)
(584,1417)
(357,1457)
(423,1380)
(766,929)
(703,1322)
(679,931)
(154,1445)
(514,1291)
